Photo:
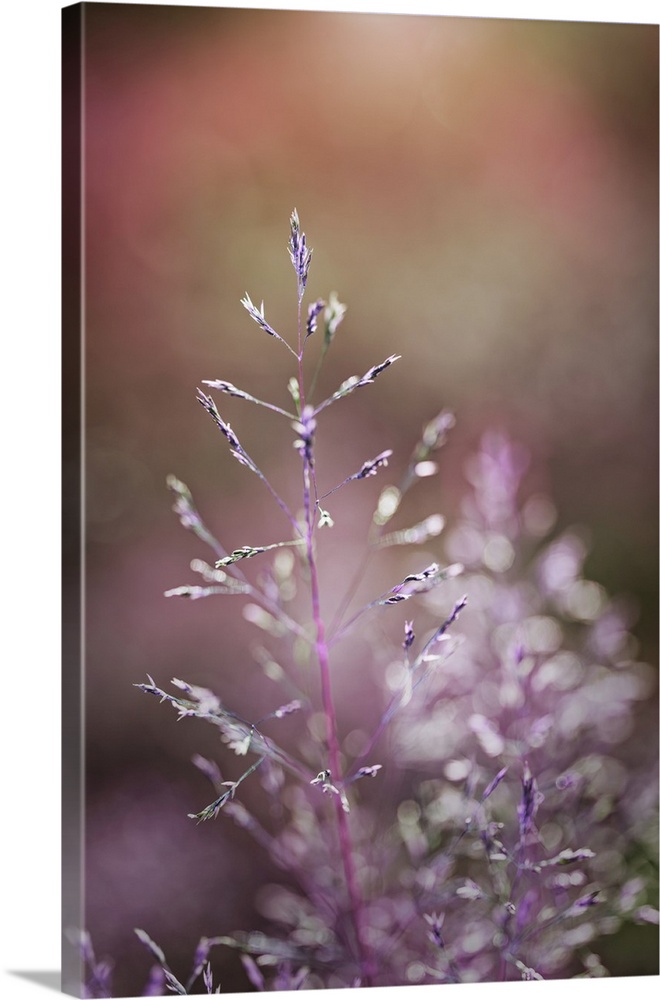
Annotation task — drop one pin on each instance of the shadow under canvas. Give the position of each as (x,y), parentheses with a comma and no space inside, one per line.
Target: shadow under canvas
(50,980)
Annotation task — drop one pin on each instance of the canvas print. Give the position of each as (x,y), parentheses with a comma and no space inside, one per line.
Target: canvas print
(360,500)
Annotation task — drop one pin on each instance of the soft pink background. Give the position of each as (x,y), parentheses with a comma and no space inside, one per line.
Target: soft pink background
(483,195)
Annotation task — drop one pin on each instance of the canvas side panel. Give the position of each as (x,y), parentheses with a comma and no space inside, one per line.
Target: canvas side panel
(73,919)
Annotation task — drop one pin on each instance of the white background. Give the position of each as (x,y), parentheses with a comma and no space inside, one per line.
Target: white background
(30,483)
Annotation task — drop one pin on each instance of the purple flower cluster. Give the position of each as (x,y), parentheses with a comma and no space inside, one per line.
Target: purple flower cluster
(300,253)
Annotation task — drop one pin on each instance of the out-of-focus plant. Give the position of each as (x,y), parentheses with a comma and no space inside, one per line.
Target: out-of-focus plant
(535,838)
(528,837)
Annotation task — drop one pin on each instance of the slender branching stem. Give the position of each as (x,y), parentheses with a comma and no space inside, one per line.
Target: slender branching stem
(350,592)
(322,654)
(279,501)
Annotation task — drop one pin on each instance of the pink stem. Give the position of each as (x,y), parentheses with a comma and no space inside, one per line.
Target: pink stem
(321,646)
(345,844)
